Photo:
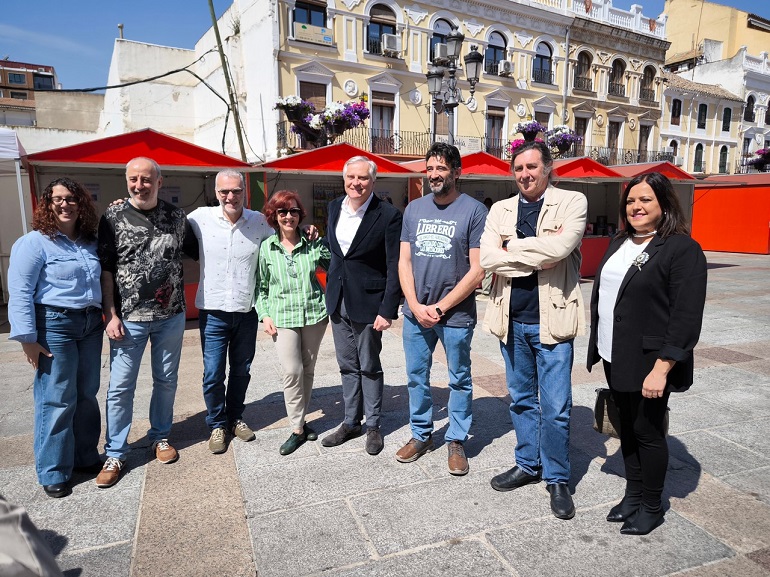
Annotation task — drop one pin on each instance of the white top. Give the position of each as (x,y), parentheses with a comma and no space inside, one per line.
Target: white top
(613,273)
(229,256)
(348,223)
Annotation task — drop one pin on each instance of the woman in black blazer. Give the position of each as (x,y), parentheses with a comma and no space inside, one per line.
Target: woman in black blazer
(646,315)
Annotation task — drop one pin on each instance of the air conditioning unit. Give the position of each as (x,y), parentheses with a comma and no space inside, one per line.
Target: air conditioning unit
(440,53)
(504,68)
(391,44)
(679,160)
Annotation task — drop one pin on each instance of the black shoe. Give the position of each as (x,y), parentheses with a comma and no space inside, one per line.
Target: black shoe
(374,442)
(341,435)
(623,510)
(292,443)
(561,501)
(513,479)
(642,522)
(94,469)
(58,490)
(310,434)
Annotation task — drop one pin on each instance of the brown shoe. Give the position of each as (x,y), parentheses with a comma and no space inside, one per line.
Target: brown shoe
(413,450)
(164,452)
(110,472)
(458,464)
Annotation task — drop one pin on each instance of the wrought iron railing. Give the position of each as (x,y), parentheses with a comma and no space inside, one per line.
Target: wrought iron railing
(490,67)
(374,45)
(647,94)
(543,76)
(414,144)
(584,83)
(617,89)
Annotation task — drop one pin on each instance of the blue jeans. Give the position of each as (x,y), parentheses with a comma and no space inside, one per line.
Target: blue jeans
(67,418)
(419,344)
(221,331)
(125,358)
(540,383)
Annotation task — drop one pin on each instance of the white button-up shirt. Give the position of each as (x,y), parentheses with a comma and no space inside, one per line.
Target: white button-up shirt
(229,256)
(348,223)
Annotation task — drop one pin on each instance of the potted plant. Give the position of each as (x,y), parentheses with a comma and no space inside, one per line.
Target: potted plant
(295,107)
(563,137)
(530,129)
(762,159)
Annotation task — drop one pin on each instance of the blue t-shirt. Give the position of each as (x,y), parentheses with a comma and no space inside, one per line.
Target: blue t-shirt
(441,237)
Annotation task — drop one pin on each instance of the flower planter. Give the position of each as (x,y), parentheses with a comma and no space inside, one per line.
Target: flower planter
(564,146)
(529,136)
(293,114)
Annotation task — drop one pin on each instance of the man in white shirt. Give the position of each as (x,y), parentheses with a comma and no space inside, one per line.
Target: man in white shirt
(229,237)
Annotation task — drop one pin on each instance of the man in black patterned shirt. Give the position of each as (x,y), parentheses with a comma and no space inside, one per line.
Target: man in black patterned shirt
(140,248)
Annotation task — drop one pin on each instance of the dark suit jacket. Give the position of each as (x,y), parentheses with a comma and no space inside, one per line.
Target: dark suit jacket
(658,313)
(367,276)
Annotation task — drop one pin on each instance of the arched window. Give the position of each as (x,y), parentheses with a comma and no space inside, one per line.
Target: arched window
(494,53)
(676,111)
(698,165)
(767,116)
(727,117)
(723,160)
(748,115)
(541,70)
(583,74)
(674,146)
(703,111)
(441,30)
(617,82)
(647,91)
(381,21)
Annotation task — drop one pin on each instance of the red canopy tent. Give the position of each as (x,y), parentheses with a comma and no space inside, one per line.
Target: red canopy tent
(747,230)
(474,164)
(667,169)
(331,159)
(100,165)
(583,167)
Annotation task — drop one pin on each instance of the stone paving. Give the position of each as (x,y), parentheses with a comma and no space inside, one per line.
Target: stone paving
(341,512)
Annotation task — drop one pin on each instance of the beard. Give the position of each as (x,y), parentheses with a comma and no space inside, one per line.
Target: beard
(442,188)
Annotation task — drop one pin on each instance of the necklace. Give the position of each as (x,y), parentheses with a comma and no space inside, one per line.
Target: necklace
(644,234)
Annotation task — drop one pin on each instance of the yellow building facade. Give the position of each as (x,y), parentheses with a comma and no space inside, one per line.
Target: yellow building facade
(582,63)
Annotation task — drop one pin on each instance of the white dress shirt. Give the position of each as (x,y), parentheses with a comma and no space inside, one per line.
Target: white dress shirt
(229,256)
(348,223)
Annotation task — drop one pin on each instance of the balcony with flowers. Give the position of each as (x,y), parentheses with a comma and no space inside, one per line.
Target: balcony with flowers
(321,128)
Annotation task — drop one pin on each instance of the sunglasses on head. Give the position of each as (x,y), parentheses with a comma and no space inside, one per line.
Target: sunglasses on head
(292,211)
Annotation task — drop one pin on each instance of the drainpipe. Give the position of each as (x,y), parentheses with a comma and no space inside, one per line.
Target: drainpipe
(566,81)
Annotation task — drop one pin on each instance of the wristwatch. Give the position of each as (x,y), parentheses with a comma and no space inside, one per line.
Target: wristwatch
(440,312)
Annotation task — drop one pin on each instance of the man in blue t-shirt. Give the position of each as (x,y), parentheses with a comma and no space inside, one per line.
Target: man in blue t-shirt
(439,271)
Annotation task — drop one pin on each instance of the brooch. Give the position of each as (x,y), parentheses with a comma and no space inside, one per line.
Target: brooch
(640,259)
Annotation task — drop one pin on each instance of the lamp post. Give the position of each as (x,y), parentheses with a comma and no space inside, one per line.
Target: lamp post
(451,96)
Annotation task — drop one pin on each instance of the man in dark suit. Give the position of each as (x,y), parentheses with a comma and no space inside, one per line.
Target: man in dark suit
(362,296)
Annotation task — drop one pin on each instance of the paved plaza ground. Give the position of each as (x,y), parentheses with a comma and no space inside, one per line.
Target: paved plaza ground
(341,512)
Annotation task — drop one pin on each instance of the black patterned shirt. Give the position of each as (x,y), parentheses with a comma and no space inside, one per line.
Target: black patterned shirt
(143,250)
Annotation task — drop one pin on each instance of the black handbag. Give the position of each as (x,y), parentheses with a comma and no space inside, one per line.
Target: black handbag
(607,417)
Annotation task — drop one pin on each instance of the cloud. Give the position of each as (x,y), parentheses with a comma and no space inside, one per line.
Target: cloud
(54,43)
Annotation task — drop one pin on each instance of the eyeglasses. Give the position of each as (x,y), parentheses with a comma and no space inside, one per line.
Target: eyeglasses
(293,211)
(228,191)
(290,266)
(59,200)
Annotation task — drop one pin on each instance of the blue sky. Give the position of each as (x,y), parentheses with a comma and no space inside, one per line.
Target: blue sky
(77,37)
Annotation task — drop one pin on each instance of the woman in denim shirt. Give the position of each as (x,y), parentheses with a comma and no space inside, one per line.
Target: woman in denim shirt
(55,313)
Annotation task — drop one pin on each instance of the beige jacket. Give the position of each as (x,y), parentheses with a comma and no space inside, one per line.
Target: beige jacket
(562,314)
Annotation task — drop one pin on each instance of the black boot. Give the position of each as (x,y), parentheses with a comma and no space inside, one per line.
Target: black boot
(623,510)
(643,521)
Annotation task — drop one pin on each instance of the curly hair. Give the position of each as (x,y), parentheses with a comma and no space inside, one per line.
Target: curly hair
(282,199)
(45,221)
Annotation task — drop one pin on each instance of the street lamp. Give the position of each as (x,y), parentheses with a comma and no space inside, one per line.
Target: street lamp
(451,96)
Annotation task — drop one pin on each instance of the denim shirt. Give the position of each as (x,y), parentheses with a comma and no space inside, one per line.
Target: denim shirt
(56,272)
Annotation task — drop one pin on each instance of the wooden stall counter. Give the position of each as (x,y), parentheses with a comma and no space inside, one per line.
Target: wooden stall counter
(592,249)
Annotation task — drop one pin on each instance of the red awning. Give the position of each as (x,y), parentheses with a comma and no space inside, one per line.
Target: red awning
(474,164)
(331,159)
(665,168)
(116,151)
(584,167)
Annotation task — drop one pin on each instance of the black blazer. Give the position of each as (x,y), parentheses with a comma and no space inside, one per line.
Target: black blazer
(367,276)
(658,313)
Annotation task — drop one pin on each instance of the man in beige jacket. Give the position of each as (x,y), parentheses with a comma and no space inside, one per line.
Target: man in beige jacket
(532,244)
